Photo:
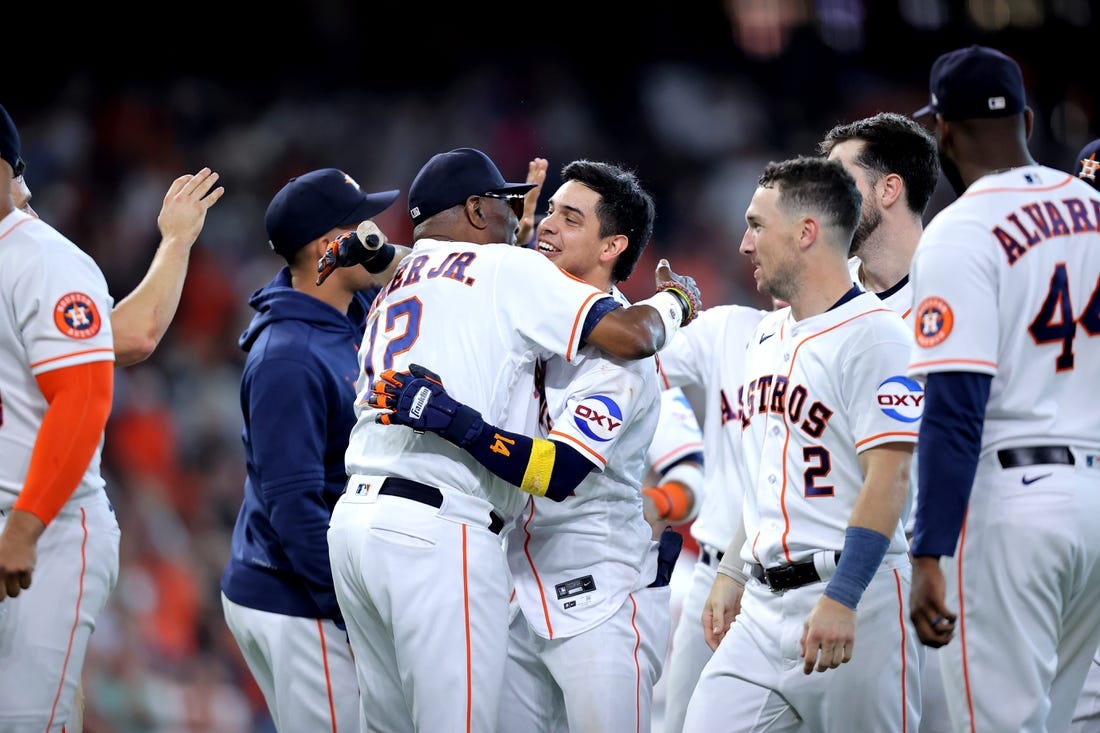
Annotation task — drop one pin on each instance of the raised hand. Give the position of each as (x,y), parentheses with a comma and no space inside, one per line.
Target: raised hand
(684,287)
(536,173)
(183,212)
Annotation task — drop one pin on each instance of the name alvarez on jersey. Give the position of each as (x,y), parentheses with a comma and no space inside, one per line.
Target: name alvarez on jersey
(1041,220)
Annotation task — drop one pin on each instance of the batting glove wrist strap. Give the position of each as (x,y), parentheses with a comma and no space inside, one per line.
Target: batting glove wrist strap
(688,300)
(863,552)
(671,309)
(378,260)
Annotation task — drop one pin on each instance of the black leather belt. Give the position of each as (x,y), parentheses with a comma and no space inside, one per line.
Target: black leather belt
(1035,456)
(430,495)
(785,577)
(707,556)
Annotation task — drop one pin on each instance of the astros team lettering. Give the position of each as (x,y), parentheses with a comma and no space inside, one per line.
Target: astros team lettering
(1042,220)
(772,393)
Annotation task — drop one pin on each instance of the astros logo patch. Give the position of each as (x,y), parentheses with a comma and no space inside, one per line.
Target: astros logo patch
(76,316)
(598,417)
(901,398)
(934,321)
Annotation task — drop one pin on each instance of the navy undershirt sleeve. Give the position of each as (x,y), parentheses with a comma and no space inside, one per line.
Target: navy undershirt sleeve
(949,443)
(599,309)
(570,467)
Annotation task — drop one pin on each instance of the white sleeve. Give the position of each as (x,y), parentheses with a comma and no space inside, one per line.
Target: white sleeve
(542,302)
(601,401)
(955,292)
(64,309)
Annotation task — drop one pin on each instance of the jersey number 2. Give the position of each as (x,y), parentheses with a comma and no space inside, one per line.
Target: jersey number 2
(1055,322)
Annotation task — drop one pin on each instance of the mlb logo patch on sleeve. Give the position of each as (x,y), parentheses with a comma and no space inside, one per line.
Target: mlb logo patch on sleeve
(76,316)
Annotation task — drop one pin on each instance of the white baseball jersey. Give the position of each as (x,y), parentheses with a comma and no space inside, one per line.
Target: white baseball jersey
(1007,283)
(573,562)
(710,352)
(54,313)
(817,393)
(966,273)
(424,588)
(582,567)
(533,308)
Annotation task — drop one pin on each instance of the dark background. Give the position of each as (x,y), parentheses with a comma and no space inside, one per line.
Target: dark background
(114,102)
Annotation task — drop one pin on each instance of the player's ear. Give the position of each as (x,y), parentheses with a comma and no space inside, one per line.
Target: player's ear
(1029,122)
(892,189)
(474,213)
(808,230)
(613,246)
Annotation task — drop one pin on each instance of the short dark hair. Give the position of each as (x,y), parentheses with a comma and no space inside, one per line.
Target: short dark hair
(893,143)
(822,186)
(625,208)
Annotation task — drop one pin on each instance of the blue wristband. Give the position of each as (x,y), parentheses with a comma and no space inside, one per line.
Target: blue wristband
(863,552)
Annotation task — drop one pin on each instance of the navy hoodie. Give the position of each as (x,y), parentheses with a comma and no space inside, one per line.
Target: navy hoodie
(297,400)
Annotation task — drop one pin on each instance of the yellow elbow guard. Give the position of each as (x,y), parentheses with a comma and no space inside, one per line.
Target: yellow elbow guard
(536,479)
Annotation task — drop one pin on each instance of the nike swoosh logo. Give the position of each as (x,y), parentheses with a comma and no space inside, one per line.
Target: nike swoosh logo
(765,338)
(1029,481)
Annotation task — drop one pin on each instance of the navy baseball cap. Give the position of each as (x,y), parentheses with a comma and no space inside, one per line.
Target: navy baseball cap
(9,143)
(316,202)
(973,82)
(448,179)
(1086,166)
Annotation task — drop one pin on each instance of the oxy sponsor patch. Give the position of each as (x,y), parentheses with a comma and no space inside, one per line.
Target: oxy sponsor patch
(934,321)
(76,316)
(901,398)
(599,417)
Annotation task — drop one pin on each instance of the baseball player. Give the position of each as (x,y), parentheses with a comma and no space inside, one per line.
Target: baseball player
(589,583)
(1086,716)
(709,352)
(297,398)
(59,538)
(414,542)
(829,422)
(1006,284)
(675,455)
(141,319)
(894,162)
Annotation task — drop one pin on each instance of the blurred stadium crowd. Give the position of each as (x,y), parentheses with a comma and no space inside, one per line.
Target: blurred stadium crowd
(697,101)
